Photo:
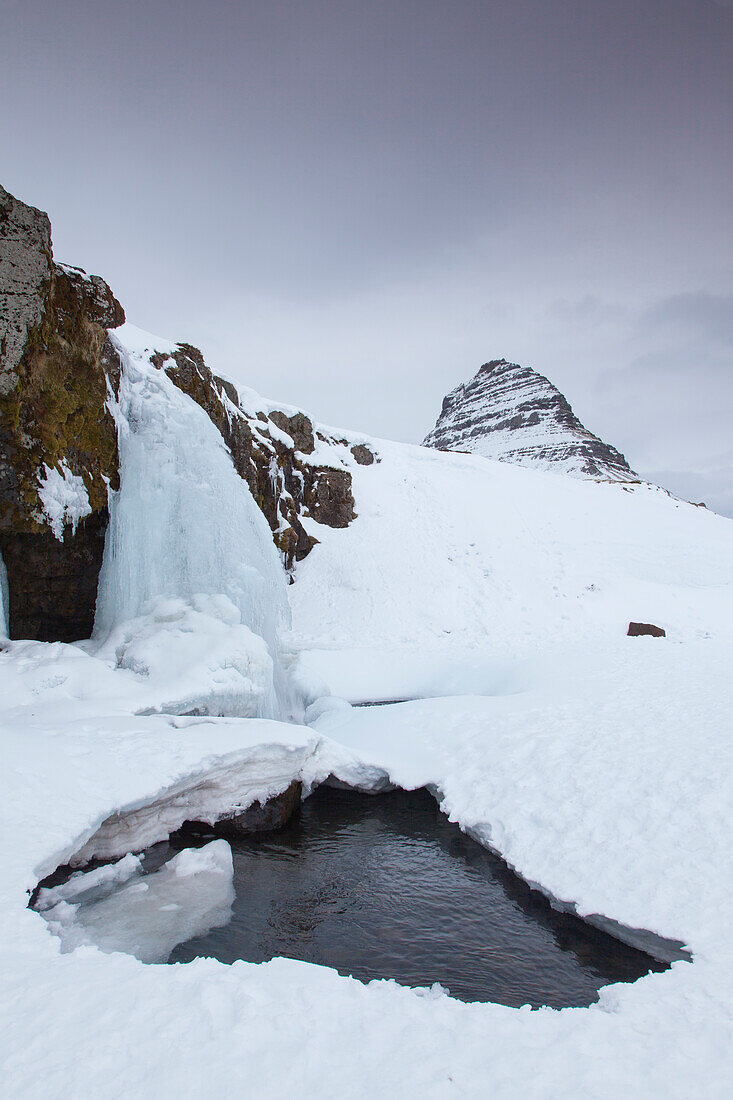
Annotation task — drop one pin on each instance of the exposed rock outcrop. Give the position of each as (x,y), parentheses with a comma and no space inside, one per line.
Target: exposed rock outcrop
(273,453)
(513,414)
(58,445)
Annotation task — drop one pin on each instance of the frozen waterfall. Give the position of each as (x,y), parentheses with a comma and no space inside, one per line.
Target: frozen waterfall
(185,526)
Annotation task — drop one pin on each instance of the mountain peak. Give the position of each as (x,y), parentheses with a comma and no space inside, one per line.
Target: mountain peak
(513,414)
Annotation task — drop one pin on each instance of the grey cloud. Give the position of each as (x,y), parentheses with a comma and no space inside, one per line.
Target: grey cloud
(707,316)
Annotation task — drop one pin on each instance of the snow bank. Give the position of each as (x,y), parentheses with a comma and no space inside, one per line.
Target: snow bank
(226,786)
(150,914)
(184,523)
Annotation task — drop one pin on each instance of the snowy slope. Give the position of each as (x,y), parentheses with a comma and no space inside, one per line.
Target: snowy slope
(460,569)
(514,414)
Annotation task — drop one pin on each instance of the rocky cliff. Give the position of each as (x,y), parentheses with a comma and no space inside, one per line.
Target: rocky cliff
(58,443)
(296,471)
(513,414)
(58,447)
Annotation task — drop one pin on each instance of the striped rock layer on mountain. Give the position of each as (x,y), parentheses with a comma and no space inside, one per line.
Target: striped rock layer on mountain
(513,414)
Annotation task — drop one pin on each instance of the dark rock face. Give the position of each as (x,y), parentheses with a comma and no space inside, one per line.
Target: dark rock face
(263,817)
(286,485)
(513,414)
(260,817)
(56,368)
(53,585)
(638,630)
(299,428)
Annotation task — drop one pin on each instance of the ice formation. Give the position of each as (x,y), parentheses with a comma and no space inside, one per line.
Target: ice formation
(184,525)
(118,908)
(194,657)
(3,599)
(64,498)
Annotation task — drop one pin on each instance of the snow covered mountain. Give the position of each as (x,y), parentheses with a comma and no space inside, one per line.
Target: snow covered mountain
(514,414)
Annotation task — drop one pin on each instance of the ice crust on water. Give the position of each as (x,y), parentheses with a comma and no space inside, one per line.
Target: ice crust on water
(118,908)
(82,882)
(184,525)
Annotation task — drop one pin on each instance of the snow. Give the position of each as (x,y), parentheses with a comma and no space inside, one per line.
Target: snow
(598,765)
(184,524)
(460,572)
(64,498)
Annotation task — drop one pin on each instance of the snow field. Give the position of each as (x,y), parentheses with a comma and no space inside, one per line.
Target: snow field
(467,560)
(574,788)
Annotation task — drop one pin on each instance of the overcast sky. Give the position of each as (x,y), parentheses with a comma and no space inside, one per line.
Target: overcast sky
(351,204)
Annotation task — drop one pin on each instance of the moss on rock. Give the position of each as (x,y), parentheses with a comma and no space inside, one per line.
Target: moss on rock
(57,367)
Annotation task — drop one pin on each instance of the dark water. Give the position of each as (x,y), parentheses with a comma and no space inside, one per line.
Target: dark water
(383,886)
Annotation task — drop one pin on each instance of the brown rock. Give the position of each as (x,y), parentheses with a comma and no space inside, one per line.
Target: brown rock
(299,428)
(362,454)
(329,498)
(284,484)
(637,630)
(260,817)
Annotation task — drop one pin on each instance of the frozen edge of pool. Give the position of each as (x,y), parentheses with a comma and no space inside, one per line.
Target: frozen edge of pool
(237,780)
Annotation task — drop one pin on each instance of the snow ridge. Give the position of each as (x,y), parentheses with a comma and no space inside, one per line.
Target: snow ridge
(513,414)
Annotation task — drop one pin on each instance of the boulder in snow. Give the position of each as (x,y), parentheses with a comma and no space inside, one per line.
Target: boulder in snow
(637,630)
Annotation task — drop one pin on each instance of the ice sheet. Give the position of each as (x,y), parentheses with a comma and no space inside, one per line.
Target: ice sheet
(144,915)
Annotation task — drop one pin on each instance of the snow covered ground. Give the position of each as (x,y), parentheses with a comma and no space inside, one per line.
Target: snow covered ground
(598,765)
(460,574)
